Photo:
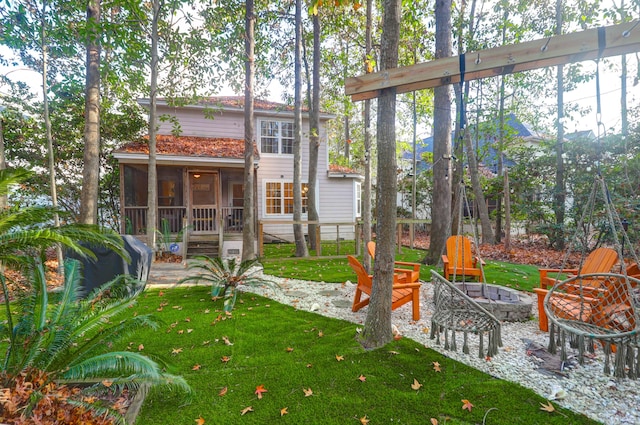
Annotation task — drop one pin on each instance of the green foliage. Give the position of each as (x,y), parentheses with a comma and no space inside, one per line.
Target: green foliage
(225,275)
(29,231)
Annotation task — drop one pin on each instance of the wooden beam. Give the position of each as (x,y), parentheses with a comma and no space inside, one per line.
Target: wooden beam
(557,50)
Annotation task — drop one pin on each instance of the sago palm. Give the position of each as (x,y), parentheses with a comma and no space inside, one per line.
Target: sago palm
(70,340)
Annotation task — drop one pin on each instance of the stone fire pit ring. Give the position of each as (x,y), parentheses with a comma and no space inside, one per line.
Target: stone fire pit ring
(504,303)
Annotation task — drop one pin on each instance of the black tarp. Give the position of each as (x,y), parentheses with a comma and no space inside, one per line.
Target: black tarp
(108,264)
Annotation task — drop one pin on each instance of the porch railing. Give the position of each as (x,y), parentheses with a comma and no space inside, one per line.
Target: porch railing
(232,219)
(202,220)
(135,219)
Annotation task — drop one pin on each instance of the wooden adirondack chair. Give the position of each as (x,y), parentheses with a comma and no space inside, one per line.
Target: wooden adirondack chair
(411,271)
(402,292)
(600,260)
(459,261)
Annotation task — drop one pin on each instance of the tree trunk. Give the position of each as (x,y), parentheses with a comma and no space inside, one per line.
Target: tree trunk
(91,169)
(248,219)
(314,136)
(483,210)
(441,205)
(298,234)
(47,125)
(152,182)
(377,328)
(3,162)
(507,213)
(366,189)
(559,188)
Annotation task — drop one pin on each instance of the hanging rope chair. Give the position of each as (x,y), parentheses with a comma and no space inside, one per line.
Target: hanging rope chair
(598,307)
(455,311)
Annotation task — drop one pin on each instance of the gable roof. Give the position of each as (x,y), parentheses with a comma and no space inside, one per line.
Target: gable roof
(235,104)
(213,147)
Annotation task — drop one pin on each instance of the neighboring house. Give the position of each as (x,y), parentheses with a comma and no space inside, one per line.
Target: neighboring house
(201,172)
(517,131)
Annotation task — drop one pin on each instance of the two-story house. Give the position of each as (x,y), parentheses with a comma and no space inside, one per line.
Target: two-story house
(200,169)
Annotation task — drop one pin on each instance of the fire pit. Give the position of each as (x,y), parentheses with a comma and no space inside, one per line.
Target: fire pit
(504,303)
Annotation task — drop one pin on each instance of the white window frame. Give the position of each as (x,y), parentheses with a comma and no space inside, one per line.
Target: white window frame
(357,196)
(278,136)
(281,182)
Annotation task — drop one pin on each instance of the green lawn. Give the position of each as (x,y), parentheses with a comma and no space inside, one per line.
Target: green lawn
(517,276)
(313,367)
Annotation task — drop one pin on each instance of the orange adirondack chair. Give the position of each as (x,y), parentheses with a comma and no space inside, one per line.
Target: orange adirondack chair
(402,292)
(600,260)
(459,260)
(411,271)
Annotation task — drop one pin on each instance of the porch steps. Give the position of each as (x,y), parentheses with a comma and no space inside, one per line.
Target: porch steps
(208,248)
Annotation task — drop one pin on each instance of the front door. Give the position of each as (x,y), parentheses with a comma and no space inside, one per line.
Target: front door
(203,188)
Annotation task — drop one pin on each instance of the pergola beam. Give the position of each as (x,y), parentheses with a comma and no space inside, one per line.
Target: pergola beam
(556,50)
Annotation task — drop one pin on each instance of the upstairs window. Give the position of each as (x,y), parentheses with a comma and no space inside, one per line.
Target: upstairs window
(276,137)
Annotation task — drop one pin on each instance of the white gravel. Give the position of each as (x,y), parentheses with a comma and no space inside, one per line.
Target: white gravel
(583,389)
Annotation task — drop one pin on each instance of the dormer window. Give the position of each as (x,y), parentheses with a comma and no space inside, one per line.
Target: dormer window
(276,137)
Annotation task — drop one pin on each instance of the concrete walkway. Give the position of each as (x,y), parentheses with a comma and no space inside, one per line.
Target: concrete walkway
(167,274)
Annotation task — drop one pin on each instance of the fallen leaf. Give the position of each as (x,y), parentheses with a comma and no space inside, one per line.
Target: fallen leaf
(397,337)
(161,294)
(180,332)
(289,349)
(320,334)
(547,407)
(434,421)
(364,420)
(200,421)
(223,391)
(394,352)
(107,383)
(225,359)
(196,367)
(226,340)
(284,411)
(246,410)
(259,390)
(339,358)
(436,367)
(175,351)
(307,392)
(309,365)
(416,385)
(466,404)
(140,347)
(362,378)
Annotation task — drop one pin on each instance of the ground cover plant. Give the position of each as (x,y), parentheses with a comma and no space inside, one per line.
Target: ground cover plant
(267,363)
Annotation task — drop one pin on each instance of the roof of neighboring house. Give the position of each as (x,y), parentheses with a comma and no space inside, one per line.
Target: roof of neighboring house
(214,147)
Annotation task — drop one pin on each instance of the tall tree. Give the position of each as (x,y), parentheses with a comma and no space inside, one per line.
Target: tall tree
(377,328)
(298,234)
(248,224)
(91,170)
(441,207)
(559,189)
(314,134)
(152,172)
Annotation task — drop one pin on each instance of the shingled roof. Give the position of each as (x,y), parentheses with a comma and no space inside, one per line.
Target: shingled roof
(214,147)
